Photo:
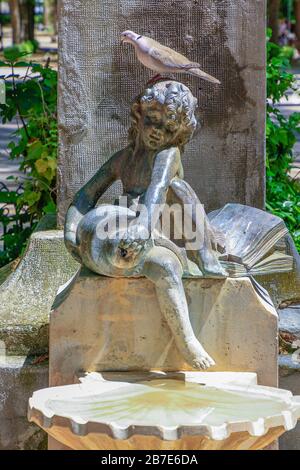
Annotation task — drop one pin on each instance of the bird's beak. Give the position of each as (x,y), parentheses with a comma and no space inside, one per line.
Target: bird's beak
(122,41)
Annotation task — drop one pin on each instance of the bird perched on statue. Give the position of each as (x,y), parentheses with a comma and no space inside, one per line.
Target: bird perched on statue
(163,59)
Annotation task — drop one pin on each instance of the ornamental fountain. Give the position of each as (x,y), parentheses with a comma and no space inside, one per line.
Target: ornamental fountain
(165,292)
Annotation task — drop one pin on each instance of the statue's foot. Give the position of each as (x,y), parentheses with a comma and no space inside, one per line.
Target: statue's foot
(203,362)
(197,357)
(210,265)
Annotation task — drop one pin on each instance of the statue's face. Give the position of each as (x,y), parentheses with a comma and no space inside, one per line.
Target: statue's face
(158,126)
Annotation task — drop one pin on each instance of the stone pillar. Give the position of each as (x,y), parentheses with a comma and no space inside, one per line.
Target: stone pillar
(99,78)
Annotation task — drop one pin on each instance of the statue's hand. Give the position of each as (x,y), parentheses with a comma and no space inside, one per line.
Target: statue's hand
(133,241)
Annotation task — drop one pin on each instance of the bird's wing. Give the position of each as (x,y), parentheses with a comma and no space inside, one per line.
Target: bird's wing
(171,58)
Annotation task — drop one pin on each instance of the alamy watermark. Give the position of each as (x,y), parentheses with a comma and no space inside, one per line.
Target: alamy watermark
(177,222)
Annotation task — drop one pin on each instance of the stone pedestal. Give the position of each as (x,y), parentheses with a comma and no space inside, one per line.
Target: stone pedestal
(26,295)
(289,364)
(106,324)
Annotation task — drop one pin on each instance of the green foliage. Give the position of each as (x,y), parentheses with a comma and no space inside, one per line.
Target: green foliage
(17,225)
(38,19)
(288,52)
(13,53)
(283,193)
(32,100)
(4,19)
(286,8)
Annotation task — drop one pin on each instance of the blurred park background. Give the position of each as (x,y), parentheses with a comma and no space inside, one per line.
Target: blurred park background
(28,119)
(29,20)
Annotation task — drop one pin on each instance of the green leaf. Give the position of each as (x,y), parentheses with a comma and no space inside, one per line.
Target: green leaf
(8,197)
(31,197)
(35,150)
(42,166)
(50,208)
(13,53)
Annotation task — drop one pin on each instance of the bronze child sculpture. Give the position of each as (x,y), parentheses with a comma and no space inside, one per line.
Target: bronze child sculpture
(150,169)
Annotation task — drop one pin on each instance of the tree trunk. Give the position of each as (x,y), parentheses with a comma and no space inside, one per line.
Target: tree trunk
(297,16)
(47,13)
(27,19)
(273,13)
(55,24)
(15,20)
(50,14)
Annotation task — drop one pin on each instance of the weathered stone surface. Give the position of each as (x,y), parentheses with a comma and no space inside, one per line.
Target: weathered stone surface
(27,293)
(284,288)
(99,79)
(19,377)
(289,365)
(101,323)
(6,270)
(289,320)
(290,380)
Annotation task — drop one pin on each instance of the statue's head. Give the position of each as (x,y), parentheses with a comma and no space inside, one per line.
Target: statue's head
(163,116)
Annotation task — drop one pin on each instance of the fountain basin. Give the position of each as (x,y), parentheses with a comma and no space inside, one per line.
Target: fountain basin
(165,411)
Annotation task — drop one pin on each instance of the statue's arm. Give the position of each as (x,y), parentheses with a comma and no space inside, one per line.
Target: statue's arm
(86,198)
(166,166)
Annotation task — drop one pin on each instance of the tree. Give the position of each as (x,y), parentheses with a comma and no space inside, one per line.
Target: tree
(27,19)
(50,15)
(297,17)
(22,18)
(273,14)
(15,20)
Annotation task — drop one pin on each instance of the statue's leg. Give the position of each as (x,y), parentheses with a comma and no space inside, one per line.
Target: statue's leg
(164,269)
(182,193)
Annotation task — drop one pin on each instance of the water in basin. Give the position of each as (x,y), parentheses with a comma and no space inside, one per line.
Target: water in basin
(169,403)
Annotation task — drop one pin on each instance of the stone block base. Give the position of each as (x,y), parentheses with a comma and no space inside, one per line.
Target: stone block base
(107,324)
(19,378)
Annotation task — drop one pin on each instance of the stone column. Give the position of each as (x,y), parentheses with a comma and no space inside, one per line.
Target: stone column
(99,79)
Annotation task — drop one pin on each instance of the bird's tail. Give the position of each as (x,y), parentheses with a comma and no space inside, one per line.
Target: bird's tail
(199,73)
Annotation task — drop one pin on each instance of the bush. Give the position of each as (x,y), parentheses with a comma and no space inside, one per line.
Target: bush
(288,52)
(283,193)
(17,224)
(33,100)
(13,53)
(4,19)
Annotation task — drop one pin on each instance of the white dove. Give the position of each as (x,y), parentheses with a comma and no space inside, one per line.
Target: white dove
(163,59)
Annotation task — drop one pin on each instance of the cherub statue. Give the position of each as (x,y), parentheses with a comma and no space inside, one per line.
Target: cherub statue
(150,169)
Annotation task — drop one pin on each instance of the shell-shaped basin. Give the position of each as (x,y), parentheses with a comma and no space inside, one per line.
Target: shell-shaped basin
(193,411)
